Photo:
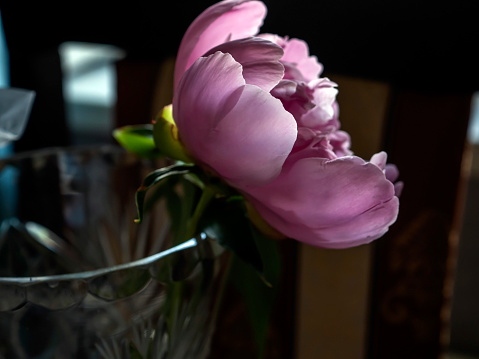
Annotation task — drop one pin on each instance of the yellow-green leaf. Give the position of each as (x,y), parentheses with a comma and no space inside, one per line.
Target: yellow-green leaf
(166,136)
(137,139)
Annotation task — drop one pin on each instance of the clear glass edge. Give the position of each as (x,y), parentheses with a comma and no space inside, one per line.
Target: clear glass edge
(89,275)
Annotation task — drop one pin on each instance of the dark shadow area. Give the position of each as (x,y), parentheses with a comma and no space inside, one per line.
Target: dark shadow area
(426,51)
(424,45)
(465,312)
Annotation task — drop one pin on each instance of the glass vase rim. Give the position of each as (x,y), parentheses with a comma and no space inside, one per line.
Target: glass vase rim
(91,274)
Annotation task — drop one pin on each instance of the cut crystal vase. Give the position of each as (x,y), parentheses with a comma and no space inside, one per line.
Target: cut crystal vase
(80,279)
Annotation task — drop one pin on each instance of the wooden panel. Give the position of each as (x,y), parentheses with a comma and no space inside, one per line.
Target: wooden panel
(334,285)
(412,285)
(332,303)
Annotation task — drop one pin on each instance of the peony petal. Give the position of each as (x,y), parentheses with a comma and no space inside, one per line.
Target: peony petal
(259,58)
(391,171)
(324,98)
(291,72)
(296,97)
(341,143)
(380,159)
(238,130)
(344,188)
(313,105)
(300,66)
(330,203)
(311,144)
(360,230)
(392,174)
(398,188)
(251,143)
(296,52)
(221,22)
(208,87)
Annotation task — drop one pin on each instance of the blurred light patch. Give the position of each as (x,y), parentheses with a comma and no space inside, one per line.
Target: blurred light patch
(89,89)
(4,77)
(89,73)
(4,68)
(473,130)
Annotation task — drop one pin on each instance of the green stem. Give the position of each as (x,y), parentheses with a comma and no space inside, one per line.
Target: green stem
(222,287)
(207,195)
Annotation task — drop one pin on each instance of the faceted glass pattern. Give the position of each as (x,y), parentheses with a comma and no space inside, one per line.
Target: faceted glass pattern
(80,279)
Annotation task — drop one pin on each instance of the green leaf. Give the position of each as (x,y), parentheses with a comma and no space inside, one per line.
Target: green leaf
(154,178)
(225,220)
(181,207)
(179,199)
(255,270)
(258,297)
(137,139)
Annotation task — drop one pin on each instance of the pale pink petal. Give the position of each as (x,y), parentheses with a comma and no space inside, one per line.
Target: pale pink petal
(392,172)
(291,72)
(329,203)
(259,58)
(205,93)
(398,188)
(286,90)
(324,98)
(221,22)
(296,97)
(335,183)
(251,143)
(313,105)
(310,143)
(360,230)
(238,130)
(380,159)
(341,143)
(297,52)
(300,66)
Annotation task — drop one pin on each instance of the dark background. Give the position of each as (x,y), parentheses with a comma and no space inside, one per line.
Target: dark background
(425,50)
(415,43)
(410,44)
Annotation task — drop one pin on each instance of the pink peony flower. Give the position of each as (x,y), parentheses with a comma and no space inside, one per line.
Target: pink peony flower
(225,21)
(253,110)
(233,126)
